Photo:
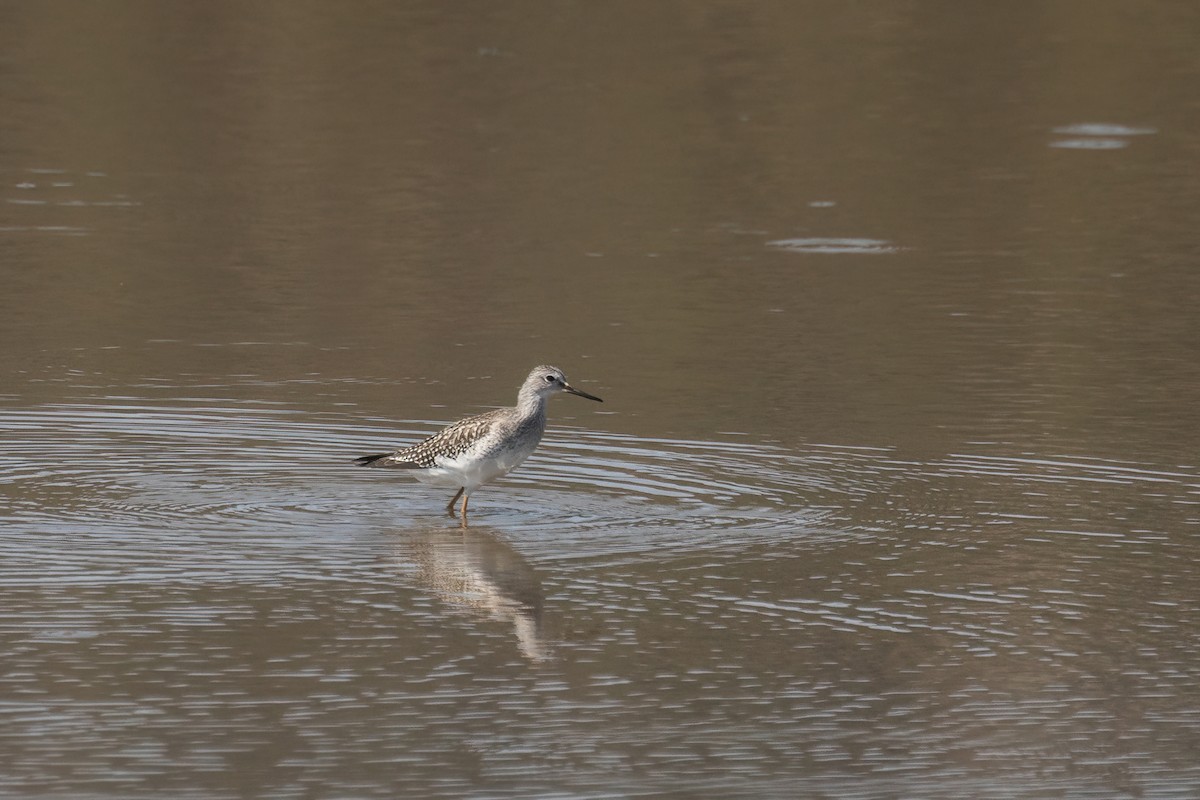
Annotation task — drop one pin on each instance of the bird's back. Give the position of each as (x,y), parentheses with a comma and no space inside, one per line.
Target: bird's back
(448,443)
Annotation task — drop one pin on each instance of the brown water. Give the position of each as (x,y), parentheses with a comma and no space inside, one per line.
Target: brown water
(895,492)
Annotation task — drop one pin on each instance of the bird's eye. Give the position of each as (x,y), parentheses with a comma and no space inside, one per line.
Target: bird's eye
(550,379)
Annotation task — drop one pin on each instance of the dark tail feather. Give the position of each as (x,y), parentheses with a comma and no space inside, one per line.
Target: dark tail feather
(382,460)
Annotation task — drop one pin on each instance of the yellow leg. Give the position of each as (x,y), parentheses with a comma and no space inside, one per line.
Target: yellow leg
(466,497)
(453,500)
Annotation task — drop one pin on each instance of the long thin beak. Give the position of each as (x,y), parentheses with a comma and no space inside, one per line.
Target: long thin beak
(569,388)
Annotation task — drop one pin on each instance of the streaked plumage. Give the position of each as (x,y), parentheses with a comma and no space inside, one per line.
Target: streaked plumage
(479,449)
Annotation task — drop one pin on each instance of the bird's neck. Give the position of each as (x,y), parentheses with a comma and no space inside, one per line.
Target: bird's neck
(531,404)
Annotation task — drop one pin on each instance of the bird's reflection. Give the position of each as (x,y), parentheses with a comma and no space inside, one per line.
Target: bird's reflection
(475,569)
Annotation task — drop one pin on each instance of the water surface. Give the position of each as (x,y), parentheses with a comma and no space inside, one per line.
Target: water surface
(894,492)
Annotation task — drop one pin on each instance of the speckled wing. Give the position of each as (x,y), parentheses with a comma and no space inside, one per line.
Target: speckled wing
(449,442)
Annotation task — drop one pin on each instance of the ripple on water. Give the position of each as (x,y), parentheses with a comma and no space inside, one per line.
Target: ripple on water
(230,472)
(723,610)
(834,245)
(1097,136)
(124,491)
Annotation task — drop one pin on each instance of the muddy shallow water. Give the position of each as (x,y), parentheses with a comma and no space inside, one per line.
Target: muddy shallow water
(202,590)
(894,492)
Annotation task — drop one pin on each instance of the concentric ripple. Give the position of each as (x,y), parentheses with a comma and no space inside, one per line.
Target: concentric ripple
(226,561)
(205,488)
(209,461)
(113,476)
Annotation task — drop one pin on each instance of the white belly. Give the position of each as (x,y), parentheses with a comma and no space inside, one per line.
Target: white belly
(472,469)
